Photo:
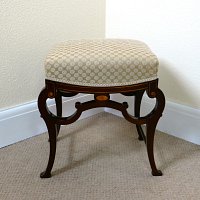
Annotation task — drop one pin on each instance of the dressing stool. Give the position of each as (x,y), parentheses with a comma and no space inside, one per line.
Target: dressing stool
(101,67)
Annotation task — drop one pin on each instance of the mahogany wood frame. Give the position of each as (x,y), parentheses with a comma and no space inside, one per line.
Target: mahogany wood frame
(56,90)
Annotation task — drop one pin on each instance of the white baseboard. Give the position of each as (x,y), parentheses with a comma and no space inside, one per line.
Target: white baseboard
(178,120)
(24,121)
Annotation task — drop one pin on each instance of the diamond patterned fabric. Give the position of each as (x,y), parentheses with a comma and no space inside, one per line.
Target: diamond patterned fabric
(106,62)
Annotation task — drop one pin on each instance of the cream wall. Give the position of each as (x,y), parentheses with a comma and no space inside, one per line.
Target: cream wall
(29,29)
(172,29)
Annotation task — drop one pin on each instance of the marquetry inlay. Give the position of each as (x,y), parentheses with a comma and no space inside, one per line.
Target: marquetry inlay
(101,98)
(50,94)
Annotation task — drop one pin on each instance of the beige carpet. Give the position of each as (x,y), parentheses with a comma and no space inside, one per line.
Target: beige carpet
(100,158)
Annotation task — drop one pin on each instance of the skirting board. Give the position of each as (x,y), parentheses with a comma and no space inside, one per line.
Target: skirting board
(22,122)
(178,120)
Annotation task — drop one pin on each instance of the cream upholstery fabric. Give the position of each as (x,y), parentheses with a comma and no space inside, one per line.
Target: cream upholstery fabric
(107,62)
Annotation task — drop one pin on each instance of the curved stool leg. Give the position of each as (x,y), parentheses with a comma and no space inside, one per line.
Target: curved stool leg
(138,99)
(52,130)
(150,141)
(51,127)
(151,127)
(58,100)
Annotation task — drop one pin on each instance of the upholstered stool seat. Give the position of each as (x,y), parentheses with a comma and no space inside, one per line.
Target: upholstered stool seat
(109,62)
(101,67)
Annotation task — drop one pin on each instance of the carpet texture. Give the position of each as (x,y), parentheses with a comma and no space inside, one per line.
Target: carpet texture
(100,158)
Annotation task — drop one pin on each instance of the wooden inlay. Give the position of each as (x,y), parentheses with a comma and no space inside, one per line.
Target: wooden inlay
(153,94)
(50,94)
(102,98)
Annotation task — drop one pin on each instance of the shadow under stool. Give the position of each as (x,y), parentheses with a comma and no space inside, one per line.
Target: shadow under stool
(101,67)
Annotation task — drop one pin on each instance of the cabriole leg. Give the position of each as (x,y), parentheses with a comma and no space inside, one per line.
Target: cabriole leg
(52,130)
(138,99)
(51,127)
(150,143)
(151,127)
(58,100)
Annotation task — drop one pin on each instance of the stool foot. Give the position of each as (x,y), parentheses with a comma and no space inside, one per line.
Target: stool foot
(45,175)
(140,138)
(157,173)
(141,135)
